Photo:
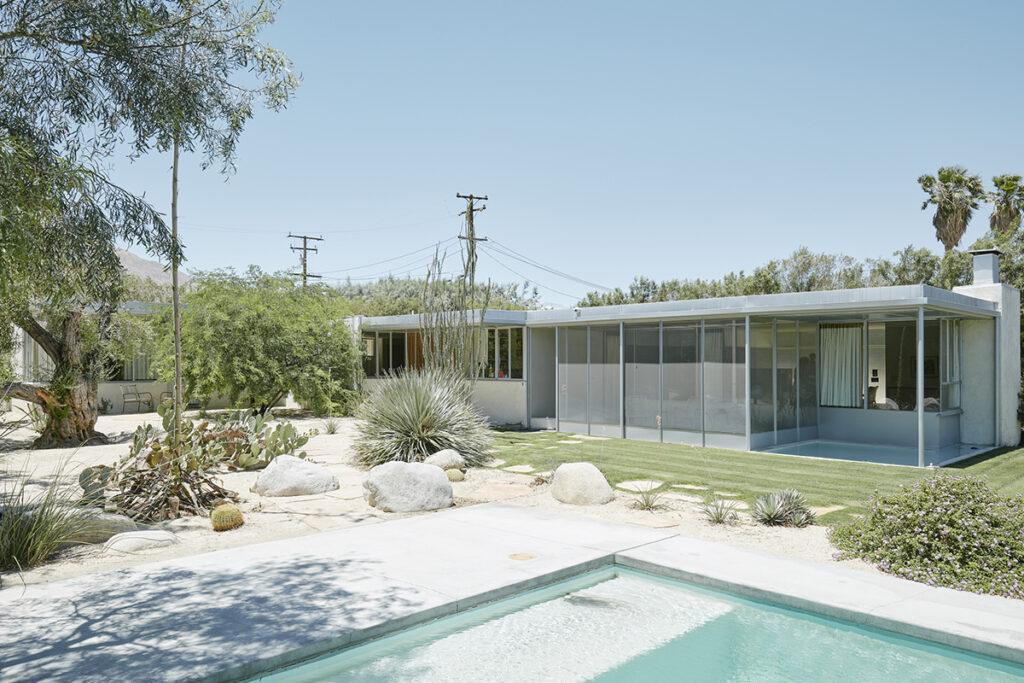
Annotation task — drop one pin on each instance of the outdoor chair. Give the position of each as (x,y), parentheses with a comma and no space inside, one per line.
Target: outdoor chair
(130,394)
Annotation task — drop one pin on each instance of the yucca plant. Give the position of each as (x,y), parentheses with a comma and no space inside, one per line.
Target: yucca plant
(719,511)
(649,500)
(419,412)
(34,527)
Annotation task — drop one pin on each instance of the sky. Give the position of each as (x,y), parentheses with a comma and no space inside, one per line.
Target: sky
(667,139)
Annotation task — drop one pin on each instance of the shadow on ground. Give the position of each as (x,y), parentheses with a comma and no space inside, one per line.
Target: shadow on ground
(227,618)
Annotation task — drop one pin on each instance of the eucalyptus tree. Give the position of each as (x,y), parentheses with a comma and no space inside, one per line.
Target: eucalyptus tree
(1007,201)
(956,194)
(78,82)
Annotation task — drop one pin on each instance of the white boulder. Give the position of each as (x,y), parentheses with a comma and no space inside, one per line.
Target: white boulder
(580,483)
(407,487)
(448,459)
(287,475)
(134,541)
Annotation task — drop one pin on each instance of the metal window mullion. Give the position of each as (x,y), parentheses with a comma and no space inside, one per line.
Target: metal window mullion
(622,379)
(797,375)
(865,351)
(376,352)
(746,379)
(703,389)
(775,381)
(661,380)
(558,382)
(920,386)
(588,379)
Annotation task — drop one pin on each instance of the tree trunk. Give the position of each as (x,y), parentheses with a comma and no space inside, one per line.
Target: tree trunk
(71,418)
(70,402)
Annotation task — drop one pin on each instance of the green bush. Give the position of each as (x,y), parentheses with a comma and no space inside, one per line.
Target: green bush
(410,416)
(943,531)
(783,508)
(33,528)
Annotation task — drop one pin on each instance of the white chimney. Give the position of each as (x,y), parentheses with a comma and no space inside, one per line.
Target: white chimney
(986,266)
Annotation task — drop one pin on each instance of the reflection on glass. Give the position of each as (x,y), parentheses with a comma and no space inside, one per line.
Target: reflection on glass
(724,378)
(762,418)
(572,375)
(642,370)
(785,375)
(681,377)
(604,375)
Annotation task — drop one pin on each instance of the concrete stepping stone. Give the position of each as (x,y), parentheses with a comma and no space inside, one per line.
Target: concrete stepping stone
(495,462)
(690,487)
(819,511)
(569,441)
(548,448)
(682,497)
(519,469)
(726,494)
(638,485)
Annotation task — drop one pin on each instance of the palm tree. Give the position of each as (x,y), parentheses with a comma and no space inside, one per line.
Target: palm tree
(956,195)
(1007,204)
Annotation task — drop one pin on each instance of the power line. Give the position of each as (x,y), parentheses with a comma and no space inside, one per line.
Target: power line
(338,231)
(512,253)
(436,245)
(527,279)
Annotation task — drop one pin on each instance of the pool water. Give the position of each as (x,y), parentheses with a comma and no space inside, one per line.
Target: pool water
(620,625)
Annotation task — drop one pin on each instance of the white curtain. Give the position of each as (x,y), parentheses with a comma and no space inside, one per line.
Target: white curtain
(841,376)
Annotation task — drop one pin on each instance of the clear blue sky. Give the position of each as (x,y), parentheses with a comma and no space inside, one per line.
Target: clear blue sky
(669,139)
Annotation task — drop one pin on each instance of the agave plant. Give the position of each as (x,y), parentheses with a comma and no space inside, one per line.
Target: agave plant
(955,194)
(1007,203)
(719,511)
(418,413)
(783,508)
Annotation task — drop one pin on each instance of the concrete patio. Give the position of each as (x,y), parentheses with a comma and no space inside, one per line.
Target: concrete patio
(233,613)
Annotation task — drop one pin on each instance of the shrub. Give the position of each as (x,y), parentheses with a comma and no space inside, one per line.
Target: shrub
(719,511)
(226,517)
(783,508)
(331,426)
(412,415)
(33,528)
(944,531)
(649,500)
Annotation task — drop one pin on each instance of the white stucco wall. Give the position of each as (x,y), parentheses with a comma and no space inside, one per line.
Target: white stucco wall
(977,388)
(1008,298)
(502,401)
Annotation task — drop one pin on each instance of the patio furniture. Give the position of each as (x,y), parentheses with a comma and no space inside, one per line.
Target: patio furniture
(130,394)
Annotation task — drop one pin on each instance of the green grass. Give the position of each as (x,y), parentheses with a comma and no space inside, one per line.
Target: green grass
(823,482)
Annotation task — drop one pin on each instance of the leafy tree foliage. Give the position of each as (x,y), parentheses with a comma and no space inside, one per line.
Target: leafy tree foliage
(256,337)
(76,80)
(396,296)
(801,271)
(1007,201)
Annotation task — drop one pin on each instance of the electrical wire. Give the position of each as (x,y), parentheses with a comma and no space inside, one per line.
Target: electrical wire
(436,245)
(512,253)
(530,280)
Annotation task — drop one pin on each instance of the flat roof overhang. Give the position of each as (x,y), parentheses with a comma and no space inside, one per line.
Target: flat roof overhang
(840,304)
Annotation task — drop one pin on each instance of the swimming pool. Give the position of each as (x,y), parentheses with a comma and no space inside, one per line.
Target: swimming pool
(618,624)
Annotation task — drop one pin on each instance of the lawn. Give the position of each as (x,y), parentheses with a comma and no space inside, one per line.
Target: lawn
(744,474)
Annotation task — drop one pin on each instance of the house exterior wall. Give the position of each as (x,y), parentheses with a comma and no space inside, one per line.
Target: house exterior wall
(502,401)
(978,390)
(887,427)
(1006,388)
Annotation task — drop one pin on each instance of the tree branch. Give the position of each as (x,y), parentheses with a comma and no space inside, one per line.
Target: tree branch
(40,335)
(26,391)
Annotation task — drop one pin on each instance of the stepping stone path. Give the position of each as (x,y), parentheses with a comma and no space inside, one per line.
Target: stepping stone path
(726,494)
(519,469)
(570,441)
(827,509)
(548,448)
(683,497)
(638,485)
(691,487)
(494,463)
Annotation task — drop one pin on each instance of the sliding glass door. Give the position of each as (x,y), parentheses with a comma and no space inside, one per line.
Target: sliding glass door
(605,391)
(682,412)
(643,383)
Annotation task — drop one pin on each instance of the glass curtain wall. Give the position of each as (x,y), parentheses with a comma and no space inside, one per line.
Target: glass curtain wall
(785,381)
(762,410)
(807,380)
(643,382)
(725,384)
(683,417)
(572,379)
(605,390)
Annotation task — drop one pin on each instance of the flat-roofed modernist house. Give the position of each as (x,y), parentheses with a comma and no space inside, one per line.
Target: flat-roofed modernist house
(912,375)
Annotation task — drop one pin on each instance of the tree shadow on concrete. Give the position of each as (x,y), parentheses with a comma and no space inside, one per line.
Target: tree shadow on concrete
(177,623)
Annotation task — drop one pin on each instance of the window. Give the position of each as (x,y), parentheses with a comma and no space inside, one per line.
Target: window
(370,354)
(502,353)
(892,367)
(138,370)
(950,344)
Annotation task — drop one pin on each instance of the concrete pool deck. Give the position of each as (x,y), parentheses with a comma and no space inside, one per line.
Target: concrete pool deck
(233,613)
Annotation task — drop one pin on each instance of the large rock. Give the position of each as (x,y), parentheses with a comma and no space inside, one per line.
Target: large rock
(134,541)
(287,475)
(448,459)
(100,526)
(580,483)
(407,487)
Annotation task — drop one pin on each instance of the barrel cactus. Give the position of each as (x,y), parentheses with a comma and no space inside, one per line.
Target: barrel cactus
(225,517)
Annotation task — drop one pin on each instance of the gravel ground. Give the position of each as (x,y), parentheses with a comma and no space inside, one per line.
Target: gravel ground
(274,518)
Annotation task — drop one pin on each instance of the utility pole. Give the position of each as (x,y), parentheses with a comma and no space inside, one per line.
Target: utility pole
(305,249)
(470,273)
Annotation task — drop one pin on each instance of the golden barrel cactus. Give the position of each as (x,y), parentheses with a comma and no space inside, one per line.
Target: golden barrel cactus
(225,517)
